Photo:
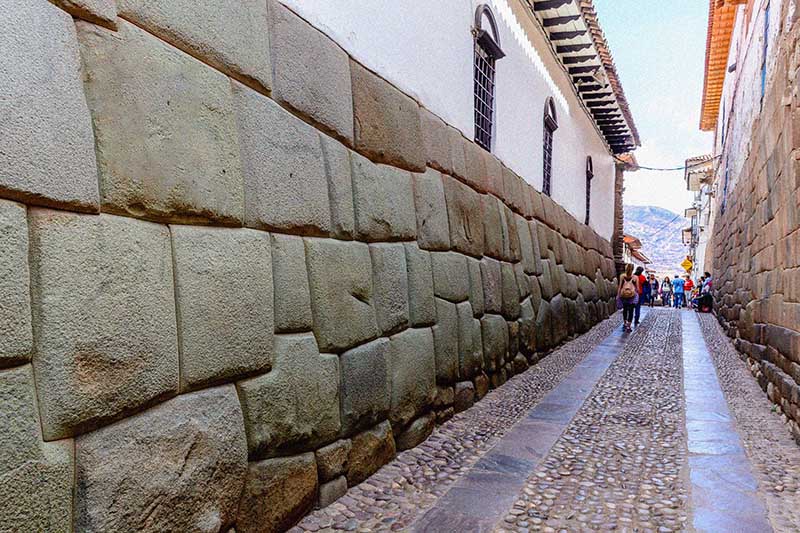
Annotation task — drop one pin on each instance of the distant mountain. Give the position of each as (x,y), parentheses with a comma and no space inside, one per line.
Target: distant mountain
(660,233)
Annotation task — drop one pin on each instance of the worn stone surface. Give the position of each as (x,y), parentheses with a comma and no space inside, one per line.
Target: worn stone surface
(495,341)
(47,152)
(290,279)
(475,164)
(296,406)
(384,201)
(371,450)
(340,187)
(16,335)
(436,139)
(561,318)
(470,344)
(277,494)
(412,374)
(433,231)
(93,362)
(311,72)
(465,217)
(36,477)
(102,12)
(332,490)
(481,386)
(232,37)
(421,300)
(224,296)
(365,385)
(340,277)
(387,124)
(464,396)
(332,459)
(167,146)
(419,430)
(445,337)
(451,279)
(285,181)
(510,290)
(491,275)
(177,467)
(476,296)
(390,283)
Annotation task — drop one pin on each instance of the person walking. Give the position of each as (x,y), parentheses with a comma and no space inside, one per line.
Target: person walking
(644,293)
(653,282)
(628,296)
(688,286)
(677,292)
(666,292)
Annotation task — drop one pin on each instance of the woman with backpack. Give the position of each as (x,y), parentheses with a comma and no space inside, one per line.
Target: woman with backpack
(628,295)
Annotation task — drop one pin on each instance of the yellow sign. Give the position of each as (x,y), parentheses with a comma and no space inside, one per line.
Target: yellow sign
(687,264)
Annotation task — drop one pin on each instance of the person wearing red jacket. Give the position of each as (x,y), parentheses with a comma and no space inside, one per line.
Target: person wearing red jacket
(688,285)
(642,280)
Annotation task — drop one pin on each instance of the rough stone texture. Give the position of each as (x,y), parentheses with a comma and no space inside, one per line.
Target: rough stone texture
(445,338)
(384,201)
(102,12)
(285,182)
(16,336)
(495,342)
(494,228)
(412,373)
(451,279)
(332,459)
(470,344)
(340,277)
(103,302)
(177,467)
(421,300)
(331,491)
(436,140)
(47,152)
(511,292)
(387,124)
(419,430)
(277,494)
(365,385)
(224,296)
(475,160)
(390,282)
(370,450)
(491,274)
(311,72)
(465,217)
(476,296)
(290,280)
(433,231)
(297,404)
(340,187)
(464,396)
(481,386)
(167,147)
(35,477)
(232,37)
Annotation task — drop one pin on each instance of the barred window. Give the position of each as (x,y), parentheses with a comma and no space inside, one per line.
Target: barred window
(589,176)
(550,126)
(487,52)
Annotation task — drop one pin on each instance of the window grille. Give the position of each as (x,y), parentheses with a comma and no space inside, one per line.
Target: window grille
(589,176)
(550,126)
(487,52)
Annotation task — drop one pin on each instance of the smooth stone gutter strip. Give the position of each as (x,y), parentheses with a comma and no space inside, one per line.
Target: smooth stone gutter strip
(480,499)
(723,489)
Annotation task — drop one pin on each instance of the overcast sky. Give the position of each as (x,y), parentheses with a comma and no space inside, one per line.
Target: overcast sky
(659,51)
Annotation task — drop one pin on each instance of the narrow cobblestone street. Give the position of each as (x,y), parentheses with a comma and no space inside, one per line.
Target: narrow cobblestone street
(620,432)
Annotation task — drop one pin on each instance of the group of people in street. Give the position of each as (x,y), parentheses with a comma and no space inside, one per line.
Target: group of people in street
(635,289)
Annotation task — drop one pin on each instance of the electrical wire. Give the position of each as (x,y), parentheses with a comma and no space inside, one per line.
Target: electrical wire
(669,169)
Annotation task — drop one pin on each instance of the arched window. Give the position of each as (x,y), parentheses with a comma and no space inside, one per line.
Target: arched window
(589,176)
(550,126)
(487,52)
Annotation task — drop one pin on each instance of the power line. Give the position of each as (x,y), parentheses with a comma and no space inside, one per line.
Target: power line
(665,226)
(683,167)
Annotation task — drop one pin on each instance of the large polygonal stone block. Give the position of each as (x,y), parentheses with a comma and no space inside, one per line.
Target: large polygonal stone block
(465,217)
(36,477)
(370,450)
(436,139)
(433,231)
(390,283)
(312,73)
(103,304)
(544,327)
(297,404)
(332,459)
(470,343)
(451,279)
(445,339)
(491,274)
(476,296)
(284,169)
(340,187)
(493,227)
(365,386)
(421,300)
(290,277)
(16,336)
(223,280)
(47,152)
(416,432)
(494,332)
(475,159)
(456,139)
(412,371)
(387,125)
(277,494)
(230,36)
(561,318)
(384,201)
(177,467)
(342,301)
(167,147)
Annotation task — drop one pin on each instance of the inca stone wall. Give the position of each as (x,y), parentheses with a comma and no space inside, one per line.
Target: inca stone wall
(757,241)
(239,271)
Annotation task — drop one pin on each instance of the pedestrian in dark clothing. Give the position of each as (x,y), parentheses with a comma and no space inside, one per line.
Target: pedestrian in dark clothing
(666,292)
(653,290)
(677,289)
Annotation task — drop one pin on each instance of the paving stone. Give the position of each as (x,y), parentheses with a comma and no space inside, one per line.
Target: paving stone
(36,477)
(436,139)
(332,490)
(412,374)
(421,300)
(384,201)
(465,217)
(47,152)
(370,450)
(188,454)
(16,335)
(296,406)
(387,123)
(232,37)
(223,288)
(277,494)
(340,187)
(470,343)
(446,336)
(290,278)
(464,396)
(495,341)
(451,278)
(102,12)
(93,364)
(159,116)
(332,459)
(492,285)
(419,430)
(476,296)
(390,282)
(284,170)
(433,231)
(365,385)
(340,278)
(511,292)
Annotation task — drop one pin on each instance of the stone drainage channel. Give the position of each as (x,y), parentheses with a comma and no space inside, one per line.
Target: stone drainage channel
(614,431)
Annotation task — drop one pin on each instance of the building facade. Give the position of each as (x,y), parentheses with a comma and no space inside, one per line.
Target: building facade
(750,102)
(699,175)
